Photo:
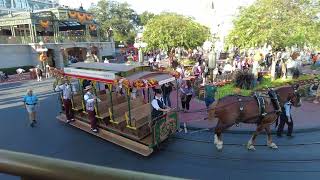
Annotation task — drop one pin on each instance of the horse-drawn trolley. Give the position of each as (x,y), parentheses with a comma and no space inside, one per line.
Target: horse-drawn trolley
(122,105)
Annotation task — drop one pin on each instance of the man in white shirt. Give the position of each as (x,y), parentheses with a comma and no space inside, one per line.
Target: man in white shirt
(19,72)
(158,106)
(90,99)
(66,89)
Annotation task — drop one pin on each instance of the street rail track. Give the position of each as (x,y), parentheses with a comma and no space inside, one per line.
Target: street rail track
(219,156)
(234,144)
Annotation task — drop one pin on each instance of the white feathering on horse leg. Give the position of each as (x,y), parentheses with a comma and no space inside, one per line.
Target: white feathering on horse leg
(272,146)
(216,140)
(250,146)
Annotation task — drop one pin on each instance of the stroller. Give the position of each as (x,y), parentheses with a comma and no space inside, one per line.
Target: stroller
(3,76)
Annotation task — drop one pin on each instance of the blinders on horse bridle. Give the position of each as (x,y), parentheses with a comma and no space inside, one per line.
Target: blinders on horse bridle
(296,93)
(275,100)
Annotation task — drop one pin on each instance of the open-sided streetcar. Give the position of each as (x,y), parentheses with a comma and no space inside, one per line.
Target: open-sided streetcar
(123,106)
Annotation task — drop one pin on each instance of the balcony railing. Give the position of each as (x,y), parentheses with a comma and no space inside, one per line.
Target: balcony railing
(31,167)
(47,39)
(14,40)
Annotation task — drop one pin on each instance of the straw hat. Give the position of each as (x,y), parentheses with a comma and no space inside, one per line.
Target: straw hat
(88,88)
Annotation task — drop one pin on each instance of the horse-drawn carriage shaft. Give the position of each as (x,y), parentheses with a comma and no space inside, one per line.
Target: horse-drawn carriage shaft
(248,110)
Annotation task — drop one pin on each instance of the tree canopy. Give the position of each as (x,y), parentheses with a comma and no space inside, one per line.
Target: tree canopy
(279,23)
(118,16)
(145,17)
(169,30)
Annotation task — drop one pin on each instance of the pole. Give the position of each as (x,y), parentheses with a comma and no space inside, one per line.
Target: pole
(140,56)
(212,64)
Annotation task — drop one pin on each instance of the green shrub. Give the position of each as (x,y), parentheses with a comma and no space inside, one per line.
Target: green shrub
(108,57)
(12,70)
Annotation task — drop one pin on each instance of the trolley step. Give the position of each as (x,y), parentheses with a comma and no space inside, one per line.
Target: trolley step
(114,138)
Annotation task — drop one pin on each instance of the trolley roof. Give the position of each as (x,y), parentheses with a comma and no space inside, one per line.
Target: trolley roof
(109,72)
(105,66)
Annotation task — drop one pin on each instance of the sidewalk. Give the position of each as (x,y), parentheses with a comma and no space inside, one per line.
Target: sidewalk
(306,118)
(16,78)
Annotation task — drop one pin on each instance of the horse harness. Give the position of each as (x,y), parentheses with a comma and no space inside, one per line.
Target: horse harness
(261,105)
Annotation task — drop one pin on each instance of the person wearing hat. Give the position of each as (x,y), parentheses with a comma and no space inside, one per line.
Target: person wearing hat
(158,105)
(66,89)
(90,99)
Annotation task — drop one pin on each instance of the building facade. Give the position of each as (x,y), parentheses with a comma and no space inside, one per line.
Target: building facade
(26,5)
(63,33)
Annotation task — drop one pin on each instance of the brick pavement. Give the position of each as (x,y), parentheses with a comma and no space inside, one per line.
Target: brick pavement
(16,78)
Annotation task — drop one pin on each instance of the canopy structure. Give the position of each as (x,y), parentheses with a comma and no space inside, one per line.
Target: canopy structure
(130,75)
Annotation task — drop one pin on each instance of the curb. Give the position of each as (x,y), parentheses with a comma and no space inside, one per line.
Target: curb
(297,130)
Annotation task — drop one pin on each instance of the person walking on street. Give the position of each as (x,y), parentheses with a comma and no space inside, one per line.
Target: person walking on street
(90,99)
(209,94)
(286,118)
(30,102)
(158,105)
(166,90)
(186,95)
(66,89)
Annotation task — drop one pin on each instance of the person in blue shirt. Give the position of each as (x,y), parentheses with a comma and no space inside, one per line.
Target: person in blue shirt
(30,102)
(286,118)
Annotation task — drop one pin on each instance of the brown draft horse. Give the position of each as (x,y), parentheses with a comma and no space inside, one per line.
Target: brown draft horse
(231,110)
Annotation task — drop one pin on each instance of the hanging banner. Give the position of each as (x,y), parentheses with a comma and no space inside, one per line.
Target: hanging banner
(90,73)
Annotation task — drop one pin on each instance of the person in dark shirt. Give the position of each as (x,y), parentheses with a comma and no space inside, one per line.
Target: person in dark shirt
(158,105)
(166,90)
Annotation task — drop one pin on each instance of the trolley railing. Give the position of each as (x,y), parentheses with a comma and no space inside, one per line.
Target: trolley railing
(32,167)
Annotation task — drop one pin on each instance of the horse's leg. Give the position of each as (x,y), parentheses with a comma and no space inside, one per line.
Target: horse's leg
(251,142)
(218,133)
(217,136)
(269,140)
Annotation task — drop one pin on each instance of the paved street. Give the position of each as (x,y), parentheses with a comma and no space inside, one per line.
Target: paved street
(191,155)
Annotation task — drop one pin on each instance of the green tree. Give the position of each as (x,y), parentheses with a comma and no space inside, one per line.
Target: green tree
(169,30)
(119,16)
(279,23)
(145,17)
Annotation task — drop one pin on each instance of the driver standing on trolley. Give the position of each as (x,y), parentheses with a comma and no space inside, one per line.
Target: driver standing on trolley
(158,106)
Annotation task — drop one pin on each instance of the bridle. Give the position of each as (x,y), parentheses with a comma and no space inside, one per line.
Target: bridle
(274,96)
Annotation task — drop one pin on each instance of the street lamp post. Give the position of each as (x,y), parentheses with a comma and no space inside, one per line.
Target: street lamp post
(140,45)
(212,63)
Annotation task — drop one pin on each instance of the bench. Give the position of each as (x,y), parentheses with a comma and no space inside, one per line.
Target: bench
(120,112)
(104,105)
(140,117)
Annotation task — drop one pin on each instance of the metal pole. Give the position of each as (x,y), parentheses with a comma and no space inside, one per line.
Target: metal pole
(111,100)
(177,85)
(140,56)
(129,105)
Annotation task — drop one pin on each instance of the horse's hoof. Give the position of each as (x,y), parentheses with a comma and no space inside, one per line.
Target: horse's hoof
(219,147)
(251,148)
(273,146)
